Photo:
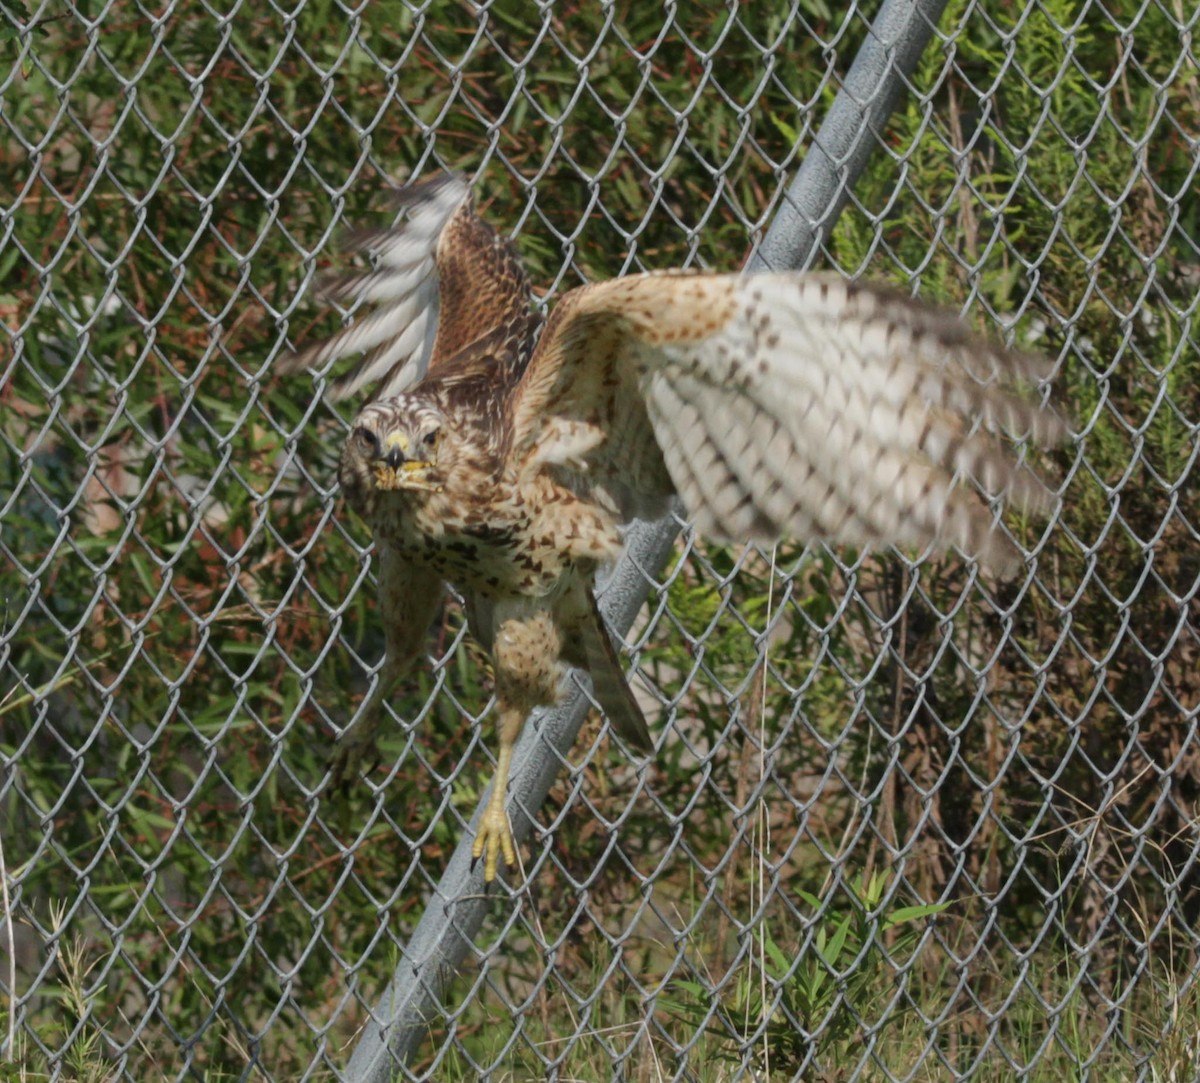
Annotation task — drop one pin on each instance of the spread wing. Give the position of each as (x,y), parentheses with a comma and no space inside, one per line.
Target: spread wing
(451,293)
(778,405)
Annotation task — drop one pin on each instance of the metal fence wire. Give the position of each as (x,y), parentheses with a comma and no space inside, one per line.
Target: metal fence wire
(906,821)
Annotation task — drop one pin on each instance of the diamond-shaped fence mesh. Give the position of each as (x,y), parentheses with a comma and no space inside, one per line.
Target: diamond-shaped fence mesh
(905,821)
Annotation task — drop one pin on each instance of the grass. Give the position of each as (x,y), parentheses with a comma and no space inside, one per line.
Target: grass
(1048,1030)
(1039,1021)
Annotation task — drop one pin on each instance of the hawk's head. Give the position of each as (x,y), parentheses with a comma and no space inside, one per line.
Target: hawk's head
(396,444)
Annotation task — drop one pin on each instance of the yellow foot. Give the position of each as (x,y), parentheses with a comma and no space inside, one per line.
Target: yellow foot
(493,838)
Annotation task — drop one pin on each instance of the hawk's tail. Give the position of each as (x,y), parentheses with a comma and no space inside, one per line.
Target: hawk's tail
(611,689)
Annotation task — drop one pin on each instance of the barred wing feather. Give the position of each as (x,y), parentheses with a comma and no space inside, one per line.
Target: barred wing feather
(794,405)
(443,281)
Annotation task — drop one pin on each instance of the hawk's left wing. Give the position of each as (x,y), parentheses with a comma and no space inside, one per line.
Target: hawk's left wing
(794,405)
(444,282)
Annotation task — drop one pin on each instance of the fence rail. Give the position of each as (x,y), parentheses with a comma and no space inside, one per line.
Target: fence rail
(906,821)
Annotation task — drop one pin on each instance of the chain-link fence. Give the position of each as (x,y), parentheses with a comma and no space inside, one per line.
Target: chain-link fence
(905,821)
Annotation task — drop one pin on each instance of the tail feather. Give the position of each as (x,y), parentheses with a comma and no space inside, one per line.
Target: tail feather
(611,689)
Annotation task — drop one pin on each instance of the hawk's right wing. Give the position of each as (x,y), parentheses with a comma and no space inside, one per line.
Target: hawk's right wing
(449,290)
(785,405)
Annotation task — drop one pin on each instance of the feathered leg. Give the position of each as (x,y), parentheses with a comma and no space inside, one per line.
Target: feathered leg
(525,649)
(408,600)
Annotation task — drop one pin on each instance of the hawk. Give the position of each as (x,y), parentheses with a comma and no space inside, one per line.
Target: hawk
(502,453)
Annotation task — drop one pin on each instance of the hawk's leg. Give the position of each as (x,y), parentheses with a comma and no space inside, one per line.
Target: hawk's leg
(408,599)
(493,837)
(357,745)
(526,651)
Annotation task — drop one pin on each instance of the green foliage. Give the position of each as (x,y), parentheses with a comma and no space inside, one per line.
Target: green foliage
(794,1011)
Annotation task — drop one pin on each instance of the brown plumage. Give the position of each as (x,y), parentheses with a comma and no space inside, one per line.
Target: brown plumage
(774,405)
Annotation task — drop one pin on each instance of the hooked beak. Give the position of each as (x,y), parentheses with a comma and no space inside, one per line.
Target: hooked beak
(395,453)
(394,449)
(393,470)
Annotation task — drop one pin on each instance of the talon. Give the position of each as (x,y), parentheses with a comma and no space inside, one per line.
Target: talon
(493,839)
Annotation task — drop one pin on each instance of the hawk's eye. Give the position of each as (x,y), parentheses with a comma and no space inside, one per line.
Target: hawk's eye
(430,438)
(366,438)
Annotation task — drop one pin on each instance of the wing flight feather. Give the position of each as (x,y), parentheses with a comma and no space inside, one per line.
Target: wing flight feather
(794,405)
(444,281)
